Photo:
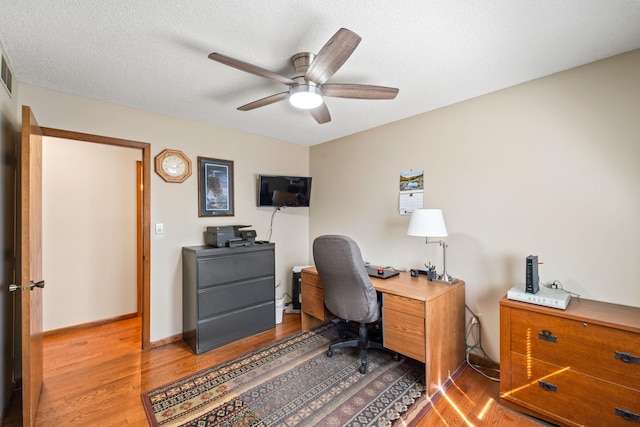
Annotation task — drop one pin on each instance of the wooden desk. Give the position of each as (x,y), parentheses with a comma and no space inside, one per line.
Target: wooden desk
(420,319)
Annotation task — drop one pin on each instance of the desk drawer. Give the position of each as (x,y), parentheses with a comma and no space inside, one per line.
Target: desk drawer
(579,398)
(603,352)
(311,279)
(313,301)
(404,333)
(404,305)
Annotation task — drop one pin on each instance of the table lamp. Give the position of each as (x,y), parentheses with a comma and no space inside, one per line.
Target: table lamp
(430,223)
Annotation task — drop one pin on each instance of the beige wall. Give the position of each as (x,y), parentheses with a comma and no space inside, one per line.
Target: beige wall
(549,168)
(175,205)
(88,231)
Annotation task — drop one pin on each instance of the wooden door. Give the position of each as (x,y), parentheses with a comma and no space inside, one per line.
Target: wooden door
(31,265)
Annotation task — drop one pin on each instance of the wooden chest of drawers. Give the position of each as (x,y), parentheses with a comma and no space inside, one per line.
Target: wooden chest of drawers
(579,366)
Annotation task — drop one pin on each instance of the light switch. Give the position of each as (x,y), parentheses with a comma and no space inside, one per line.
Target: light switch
(159,228)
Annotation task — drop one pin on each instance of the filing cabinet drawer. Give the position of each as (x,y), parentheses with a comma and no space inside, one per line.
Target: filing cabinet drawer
(404,333)
(218,269)
(232,326)
(574,397)
(586,347)
(221,299)
(404,305)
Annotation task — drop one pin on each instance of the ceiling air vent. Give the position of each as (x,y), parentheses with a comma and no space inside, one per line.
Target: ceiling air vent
(7,76)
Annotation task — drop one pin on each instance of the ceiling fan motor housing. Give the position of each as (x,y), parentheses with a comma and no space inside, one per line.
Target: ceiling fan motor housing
(301,62)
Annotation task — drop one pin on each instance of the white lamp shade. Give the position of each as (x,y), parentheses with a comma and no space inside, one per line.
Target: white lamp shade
(427,223)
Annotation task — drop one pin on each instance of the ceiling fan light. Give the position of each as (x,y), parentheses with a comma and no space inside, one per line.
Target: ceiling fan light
(305,96)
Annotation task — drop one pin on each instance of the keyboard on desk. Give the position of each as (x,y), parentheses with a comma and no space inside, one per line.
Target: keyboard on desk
(381,273)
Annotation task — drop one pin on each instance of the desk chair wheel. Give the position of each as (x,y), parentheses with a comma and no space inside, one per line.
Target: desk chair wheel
(363,368)
(329,353)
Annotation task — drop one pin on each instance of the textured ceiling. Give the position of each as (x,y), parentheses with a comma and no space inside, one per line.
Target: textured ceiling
(152,54)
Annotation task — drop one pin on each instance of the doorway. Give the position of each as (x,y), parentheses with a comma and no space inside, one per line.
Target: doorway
(144,235)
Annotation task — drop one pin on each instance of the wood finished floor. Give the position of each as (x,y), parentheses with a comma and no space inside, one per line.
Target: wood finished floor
(95,377)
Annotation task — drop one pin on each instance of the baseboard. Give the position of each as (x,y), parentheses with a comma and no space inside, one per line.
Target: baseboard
(165,341)
(89,325)
(483,362)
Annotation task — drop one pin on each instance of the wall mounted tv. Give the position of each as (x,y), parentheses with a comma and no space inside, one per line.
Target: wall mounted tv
(280,190)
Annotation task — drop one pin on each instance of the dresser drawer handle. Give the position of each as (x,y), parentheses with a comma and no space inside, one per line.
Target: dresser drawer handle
(548,386)
(628,358)
(627,415)
(546,335)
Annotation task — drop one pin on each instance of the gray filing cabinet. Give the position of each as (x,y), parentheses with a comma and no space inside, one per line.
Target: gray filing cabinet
(227,294)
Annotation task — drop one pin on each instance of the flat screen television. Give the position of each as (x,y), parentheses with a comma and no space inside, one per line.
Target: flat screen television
(280,190)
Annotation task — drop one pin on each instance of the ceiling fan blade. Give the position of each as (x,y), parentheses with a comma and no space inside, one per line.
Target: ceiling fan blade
(338,90)
(321,114)
(332,55)
(250,68)
(264,101)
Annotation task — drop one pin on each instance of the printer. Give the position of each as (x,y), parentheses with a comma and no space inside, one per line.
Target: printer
(229,236)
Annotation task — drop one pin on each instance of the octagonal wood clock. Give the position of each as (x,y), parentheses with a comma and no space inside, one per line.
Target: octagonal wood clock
(173,165)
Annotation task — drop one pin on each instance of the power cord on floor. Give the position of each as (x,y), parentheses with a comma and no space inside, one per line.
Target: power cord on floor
(474,331)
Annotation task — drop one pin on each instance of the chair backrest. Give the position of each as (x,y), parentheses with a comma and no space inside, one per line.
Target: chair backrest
(348,292)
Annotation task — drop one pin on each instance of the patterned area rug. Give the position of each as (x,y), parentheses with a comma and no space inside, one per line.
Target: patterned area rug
(293,382)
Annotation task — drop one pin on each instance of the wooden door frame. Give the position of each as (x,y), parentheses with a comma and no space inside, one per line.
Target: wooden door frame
(139,237)
(146,211)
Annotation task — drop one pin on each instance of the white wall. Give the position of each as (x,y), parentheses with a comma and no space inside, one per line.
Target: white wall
(175,205)
(89,231)
(549,168)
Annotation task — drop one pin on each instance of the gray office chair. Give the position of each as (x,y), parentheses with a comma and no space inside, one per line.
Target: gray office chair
(348,292)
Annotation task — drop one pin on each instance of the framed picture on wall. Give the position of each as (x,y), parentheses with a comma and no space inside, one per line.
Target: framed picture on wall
(215,187)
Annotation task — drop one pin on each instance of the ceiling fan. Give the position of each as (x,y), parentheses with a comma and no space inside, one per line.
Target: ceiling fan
(309,84)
